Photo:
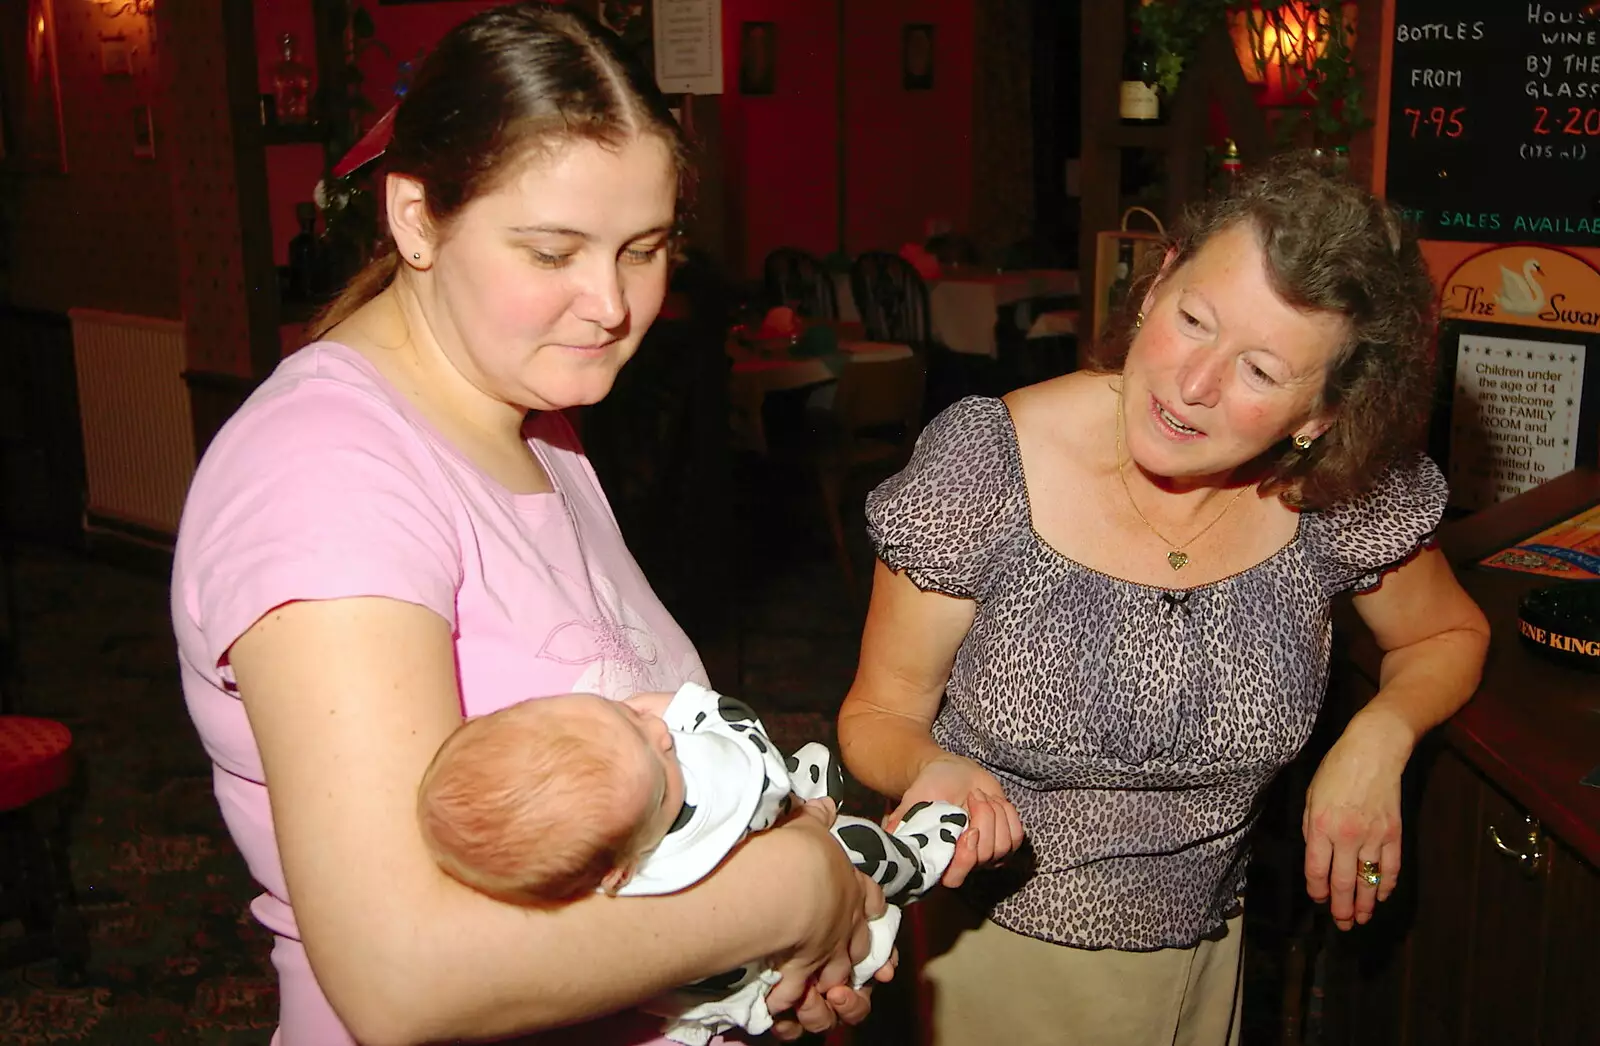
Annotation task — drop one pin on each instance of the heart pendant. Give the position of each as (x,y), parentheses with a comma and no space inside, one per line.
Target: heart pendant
(1177,559)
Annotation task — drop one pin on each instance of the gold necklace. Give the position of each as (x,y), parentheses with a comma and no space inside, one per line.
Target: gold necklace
(1177,559)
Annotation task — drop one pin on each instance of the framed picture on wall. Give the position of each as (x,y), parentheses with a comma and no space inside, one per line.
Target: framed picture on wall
(116,57)
(30,87)
(916,57)
(758,58)
(144,132)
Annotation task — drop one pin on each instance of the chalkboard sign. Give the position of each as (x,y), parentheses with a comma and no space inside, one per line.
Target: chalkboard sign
(1494,119)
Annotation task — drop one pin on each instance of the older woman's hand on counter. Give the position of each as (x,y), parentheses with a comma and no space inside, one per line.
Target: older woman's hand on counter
(1352,816)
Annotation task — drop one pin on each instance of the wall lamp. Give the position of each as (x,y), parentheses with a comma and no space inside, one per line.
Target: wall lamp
(111,8)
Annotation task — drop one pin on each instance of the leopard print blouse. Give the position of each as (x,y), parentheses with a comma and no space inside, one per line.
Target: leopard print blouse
(1132,726)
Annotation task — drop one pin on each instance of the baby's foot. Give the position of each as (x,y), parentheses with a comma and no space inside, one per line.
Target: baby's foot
(815,773)
(932,829)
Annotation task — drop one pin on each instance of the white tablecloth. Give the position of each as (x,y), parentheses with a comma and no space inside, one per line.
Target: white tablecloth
(963,306)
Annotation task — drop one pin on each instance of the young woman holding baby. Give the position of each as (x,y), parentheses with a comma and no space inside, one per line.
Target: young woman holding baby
(399,529)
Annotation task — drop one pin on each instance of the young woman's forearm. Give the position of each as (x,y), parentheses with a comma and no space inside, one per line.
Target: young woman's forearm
(464,966)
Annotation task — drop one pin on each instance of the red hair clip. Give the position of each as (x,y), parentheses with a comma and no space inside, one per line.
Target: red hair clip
(370,146)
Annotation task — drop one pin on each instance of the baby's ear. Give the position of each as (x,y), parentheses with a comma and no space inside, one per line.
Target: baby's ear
(618,877)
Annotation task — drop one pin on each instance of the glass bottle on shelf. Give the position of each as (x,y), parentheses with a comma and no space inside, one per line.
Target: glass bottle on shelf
(1232,163)
(1121,275)
(305,256)
(1138,102)
(291,85)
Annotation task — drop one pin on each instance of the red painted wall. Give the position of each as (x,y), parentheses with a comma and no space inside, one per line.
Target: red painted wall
(909,153)
(780,151)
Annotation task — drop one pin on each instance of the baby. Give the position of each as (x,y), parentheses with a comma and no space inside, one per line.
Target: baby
(557,797)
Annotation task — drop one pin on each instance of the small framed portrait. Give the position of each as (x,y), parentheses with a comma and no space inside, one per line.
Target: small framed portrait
(116,58)
(758,57)
(916,57)
(144,132)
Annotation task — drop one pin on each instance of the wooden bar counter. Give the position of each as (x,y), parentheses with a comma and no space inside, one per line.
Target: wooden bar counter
(1493,934)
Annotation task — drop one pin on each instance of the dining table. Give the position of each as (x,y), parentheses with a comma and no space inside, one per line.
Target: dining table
(964,303)
(814,356)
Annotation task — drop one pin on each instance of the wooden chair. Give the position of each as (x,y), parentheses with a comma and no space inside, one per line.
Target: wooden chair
(892,298)
(872,425)
(795,277)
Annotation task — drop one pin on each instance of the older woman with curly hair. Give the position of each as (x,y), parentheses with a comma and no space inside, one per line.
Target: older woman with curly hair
(1101,619)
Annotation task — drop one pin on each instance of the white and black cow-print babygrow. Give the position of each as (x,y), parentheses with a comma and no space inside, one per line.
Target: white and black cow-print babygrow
(736,782)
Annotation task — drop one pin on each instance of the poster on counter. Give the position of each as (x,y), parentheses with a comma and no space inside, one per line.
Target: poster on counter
(688,46)
(1514,415)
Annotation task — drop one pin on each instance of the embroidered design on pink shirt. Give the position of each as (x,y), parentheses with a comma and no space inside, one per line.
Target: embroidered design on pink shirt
(616,644)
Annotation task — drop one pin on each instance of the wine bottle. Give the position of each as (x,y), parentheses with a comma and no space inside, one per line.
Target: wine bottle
(305,257)
(1232,163)
(1121,275)
(1138,102)
(291,85)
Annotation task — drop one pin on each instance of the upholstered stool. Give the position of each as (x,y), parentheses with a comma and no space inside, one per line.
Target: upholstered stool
(35,875)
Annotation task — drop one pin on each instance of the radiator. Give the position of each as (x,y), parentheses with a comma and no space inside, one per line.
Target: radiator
(138,439)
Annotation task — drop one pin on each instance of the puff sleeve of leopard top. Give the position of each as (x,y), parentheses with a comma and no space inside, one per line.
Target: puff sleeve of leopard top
(1360,541)
(956,505)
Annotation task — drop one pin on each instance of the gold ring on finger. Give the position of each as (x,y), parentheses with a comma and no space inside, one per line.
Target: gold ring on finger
(1370,874)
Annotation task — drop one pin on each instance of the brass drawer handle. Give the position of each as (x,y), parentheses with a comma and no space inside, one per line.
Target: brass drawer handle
(1529,858)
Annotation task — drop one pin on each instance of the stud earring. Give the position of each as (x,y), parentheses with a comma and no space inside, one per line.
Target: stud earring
(416,255)
(1138,321)
(1302,442)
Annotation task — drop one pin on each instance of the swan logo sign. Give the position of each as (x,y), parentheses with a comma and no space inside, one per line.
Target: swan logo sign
(1527,285)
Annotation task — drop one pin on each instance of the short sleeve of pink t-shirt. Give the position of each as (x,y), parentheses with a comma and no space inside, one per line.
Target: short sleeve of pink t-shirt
(327,483)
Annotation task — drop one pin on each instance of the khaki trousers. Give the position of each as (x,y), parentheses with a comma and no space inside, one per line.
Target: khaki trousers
(983,985)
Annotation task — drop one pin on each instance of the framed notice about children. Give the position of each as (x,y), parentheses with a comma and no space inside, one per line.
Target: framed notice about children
(1519,361)
(1515,409)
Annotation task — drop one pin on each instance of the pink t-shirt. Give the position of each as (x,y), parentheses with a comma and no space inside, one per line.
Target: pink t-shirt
(328,483)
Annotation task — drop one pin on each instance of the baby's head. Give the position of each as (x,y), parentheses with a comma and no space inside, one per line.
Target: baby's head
(551,798)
